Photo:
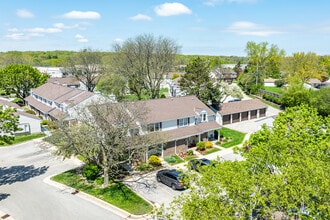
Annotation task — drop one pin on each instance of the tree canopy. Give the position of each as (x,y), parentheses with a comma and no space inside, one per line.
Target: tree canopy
(144,61)
(286,172)
(20,79)
(87,67)
(104,136)
(304,66)
(197,81)
(8,124)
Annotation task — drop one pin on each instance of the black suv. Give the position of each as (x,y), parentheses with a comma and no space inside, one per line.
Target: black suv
(172,178)
(195,164)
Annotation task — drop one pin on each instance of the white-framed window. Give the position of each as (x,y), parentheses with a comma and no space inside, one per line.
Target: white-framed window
(182,122)
(203,115)
(154,127)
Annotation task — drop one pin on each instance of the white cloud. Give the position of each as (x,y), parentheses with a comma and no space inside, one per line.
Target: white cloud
(23,13)
(140,17)
(44,30)
(16,36)
(81,38)
(216,2)
(119,40)
(251,29)
(81,15)
(63,26)
(169,9)
(13,30)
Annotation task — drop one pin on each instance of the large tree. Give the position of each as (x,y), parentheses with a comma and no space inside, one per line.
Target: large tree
(105,135)
(144,61)
(303,66)
(8,124)
(285,172)
(263,61)
(20,79)
(87,67)
(197,81)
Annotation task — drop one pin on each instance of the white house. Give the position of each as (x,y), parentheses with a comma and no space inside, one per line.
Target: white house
(28,123)
(54,101)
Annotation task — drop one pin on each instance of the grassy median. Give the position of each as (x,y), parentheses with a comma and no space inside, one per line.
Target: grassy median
(116,194)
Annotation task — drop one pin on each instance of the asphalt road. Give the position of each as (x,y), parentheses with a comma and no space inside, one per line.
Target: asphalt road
(24,194)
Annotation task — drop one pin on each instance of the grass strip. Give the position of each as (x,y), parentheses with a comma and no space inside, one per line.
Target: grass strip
(116,194)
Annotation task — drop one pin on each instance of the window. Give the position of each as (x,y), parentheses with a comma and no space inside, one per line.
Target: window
(134,131)
(154,127)
(183,122)
(203,115)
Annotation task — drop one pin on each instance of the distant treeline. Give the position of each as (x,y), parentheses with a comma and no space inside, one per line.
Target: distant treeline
(59,58)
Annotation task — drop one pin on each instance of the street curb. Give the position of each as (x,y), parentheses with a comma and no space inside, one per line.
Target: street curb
(120,212)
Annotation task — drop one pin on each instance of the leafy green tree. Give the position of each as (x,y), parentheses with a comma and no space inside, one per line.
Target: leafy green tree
(20,79)
(8,125)
(321,101)
(197,81)
(113,84)
(286,171)
(303,66)
(144,61)
(295,95)
(264,61)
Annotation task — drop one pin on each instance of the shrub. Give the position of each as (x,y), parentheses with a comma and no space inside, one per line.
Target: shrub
(200,146)
(170,159)
(279,82)
(30,111)
(190,152)
(208,144)
(175,75)
(44,122)
(154,161)
(90,171)
(218,143)
(144,167)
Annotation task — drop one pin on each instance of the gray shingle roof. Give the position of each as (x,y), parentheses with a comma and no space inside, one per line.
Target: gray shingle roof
(241,106)
(174,108)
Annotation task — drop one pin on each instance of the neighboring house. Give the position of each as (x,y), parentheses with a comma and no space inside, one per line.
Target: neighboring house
(183,121)
(65,81)
(51,71)
(232,112)
(225,74)
(315,83)
(54,101)
(269,82)
(28,123)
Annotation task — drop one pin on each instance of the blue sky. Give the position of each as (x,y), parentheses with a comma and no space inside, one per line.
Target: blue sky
(203,27)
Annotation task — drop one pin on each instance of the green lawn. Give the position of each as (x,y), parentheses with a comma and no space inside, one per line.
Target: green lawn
(116,194)
(23,138)
(212,151)
(273,89)
(236,136)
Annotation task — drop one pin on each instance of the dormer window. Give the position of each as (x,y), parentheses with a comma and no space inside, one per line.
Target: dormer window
(203,115)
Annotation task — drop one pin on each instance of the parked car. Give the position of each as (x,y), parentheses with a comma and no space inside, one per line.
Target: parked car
(172,178)
(195,164)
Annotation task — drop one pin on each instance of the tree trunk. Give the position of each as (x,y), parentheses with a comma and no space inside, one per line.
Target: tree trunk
(106,175)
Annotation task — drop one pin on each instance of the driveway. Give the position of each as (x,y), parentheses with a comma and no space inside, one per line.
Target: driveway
(25,195)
